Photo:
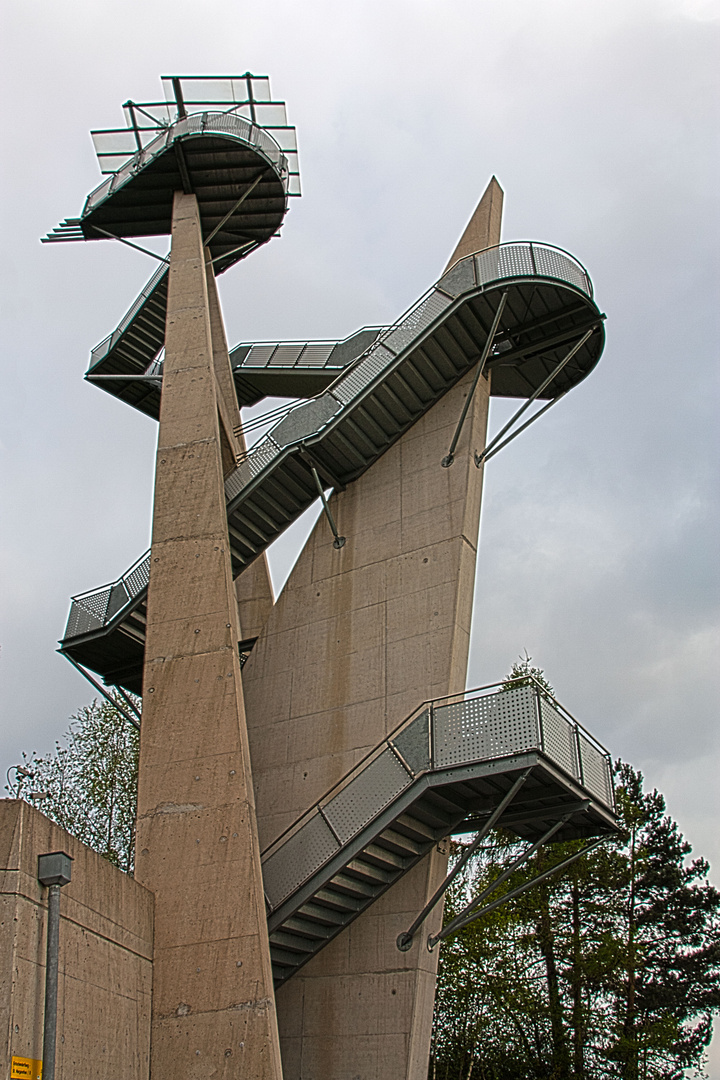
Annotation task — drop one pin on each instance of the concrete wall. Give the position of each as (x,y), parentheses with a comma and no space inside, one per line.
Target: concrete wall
(105,981)
(196,848)
(356,641)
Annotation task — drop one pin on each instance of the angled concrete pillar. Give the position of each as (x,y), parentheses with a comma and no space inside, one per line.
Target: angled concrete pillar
(197,851)
(483,228)
(357,639)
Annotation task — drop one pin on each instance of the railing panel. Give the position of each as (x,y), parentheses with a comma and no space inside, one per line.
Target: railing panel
(81,621)
(118,598)
(491,726)
(559,738)
(596,773)
(137,578)
(300,856)
(553,263)
(413,743)
(95,603)
(418,320)
(366,795)
(361,376)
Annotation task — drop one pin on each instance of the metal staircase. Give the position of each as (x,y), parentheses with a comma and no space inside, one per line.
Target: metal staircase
(548,307)
(444,769)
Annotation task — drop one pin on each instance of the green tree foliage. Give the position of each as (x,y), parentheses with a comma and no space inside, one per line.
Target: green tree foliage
(611,969)
(90,783)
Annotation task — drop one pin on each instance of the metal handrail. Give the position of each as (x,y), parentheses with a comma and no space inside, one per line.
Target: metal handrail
(510,270)
(103,348)
(195,123)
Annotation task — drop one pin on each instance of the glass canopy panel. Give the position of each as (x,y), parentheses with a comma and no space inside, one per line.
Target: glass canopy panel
(247,96)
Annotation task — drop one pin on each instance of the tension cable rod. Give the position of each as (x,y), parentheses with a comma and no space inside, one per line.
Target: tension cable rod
(533,418)
(461,920)
(450,457)
(145,251)
(405,940)
(446,932)
(233,251)
(101,689)
(251,187)
(339,541)
(480,458)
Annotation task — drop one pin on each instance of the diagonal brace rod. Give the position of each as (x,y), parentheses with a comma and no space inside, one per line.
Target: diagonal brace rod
(479,458)
(128,701)
(339,541)
(101,689)
(230,212)
(450,457)
(404,940)
(145,251)
(533,418)
(522,858)
(233,251)
(446,932)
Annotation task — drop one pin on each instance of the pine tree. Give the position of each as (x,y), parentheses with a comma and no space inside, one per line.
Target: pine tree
(611,969)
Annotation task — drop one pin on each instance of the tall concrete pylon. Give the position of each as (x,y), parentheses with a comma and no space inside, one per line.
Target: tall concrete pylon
(357,639)
(197,850)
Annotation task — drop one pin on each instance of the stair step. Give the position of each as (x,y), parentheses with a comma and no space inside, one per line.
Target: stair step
(287,959)
(363,871)
(308,929)
(337,901)
(351,887)
(321,913)
(417,827)
(401,845)
(290,942)
(383,857)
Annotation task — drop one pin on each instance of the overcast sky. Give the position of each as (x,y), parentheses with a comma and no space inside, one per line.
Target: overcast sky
(599,534)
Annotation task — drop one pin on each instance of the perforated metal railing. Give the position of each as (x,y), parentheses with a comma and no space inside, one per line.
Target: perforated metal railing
(499,263)
(107,344)
(197,123)
(93,610)
(473,727)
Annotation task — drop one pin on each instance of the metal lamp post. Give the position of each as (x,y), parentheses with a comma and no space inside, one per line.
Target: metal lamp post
(54,871)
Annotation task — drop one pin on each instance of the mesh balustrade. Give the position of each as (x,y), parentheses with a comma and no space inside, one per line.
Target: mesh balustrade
(474,727)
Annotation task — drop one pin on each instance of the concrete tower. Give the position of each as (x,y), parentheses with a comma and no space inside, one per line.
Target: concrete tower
(303,762)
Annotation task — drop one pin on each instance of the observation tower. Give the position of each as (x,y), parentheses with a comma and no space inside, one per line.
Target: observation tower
(304,759)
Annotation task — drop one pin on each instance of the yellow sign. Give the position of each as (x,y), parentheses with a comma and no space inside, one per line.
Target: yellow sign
(25,1069)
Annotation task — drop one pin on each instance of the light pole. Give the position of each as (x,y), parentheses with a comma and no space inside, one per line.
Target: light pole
(54,870)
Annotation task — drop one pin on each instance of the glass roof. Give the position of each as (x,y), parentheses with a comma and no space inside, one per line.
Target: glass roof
(246,95)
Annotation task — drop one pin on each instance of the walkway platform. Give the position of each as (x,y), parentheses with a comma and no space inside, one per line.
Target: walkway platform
(442,771)
(342,431)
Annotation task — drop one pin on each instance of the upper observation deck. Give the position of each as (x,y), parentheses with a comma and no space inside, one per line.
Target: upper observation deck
(222,138)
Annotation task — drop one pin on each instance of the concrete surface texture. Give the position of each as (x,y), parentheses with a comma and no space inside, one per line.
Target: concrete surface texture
(213,1003)
(105,970)
(357,639)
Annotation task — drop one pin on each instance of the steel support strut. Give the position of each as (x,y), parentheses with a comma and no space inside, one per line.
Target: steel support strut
(480,458)
(250,188)
(339,541)
(405,940)
(464,919)
(450,457)
(101,689)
